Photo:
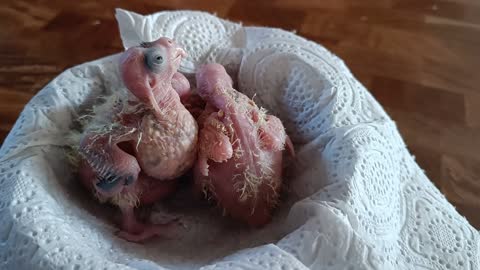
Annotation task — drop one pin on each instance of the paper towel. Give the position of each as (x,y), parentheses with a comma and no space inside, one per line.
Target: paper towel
(357,198)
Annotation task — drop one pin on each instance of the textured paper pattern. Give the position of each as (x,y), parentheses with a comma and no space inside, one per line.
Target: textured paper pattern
(357,198)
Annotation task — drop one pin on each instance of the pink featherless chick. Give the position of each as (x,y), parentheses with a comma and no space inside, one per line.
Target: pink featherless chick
(240,150)
(149,141)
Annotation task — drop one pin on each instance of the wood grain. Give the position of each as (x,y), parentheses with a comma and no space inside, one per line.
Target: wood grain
(419,58)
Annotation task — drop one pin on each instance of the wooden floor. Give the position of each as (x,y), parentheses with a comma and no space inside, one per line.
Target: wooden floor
(420,59)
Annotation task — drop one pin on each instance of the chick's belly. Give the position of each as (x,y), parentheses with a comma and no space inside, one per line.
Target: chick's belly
(255,210)
(168,147)
(167,159)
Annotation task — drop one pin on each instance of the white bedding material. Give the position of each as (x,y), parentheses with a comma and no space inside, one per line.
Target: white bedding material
(357,198)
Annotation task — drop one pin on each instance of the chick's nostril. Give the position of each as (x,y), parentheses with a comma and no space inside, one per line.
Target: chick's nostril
(169,41)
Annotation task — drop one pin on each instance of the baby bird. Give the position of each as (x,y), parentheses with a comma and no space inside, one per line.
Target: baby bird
(240,150)
(149,141)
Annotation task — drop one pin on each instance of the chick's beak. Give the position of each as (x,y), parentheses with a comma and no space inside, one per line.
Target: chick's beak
(181,53)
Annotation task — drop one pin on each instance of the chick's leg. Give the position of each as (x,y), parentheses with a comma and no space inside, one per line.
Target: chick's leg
(154,190)
(273,136)
(151,190)
(214,145)
(135,231)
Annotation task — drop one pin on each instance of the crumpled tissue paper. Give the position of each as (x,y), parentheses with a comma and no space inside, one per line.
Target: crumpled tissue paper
(357,198)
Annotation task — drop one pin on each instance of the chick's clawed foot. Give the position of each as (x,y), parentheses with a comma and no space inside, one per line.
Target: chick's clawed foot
(143,232)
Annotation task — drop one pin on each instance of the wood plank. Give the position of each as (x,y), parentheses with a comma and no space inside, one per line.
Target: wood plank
(448,138)
(288,19)
(432,103)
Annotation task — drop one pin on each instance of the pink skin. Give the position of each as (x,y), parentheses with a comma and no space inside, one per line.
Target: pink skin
(151,148)
(240,150)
